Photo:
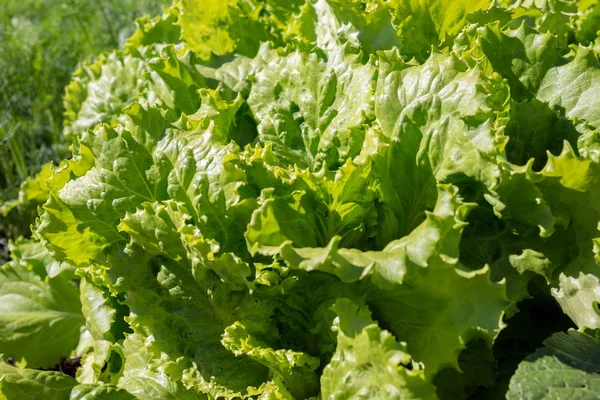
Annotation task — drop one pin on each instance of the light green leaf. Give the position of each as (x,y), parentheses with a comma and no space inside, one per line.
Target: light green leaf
(99,91)
(570,188)
(187,313)
(160,229)
(369,362)
(28,384)
(517,198)
(555,16)
(427,23)
(328,205)
(101,360)
(181,79)
(123,176)
(217,28)
(443,307)
(295,369)
(17,384)
(311,106)
(99,392)
(161,29)
(522,56)
(235,74)
(573,86)
(40,319)
(360,24)
(101,311)
(34,256)
(419,275)
(447,109)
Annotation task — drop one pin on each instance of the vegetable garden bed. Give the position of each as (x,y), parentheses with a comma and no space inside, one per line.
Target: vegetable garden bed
(331,199)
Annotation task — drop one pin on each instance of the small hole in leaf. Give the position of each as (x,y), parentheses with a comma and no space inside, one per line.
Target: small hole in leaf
(116,362)
(596,306)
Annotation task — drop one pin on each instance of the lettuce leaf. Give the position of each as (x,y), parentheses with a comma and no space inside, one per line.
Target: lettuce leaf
(41,318)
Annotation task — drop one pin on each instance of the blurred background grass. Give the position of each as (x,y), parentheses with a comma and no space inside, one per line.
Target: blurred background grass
(41,43)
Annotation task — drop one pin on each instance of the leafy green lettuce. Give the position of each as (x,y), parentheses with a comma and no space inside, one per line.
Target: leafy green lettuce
(322,199)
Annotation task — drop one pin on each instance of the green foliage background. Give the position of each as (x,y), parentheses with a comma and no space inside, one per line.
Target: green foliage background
(41,43)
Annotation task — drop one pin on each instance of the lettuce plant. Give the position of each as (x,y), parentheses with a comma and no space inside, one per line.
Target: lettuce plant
(41,42)
(333,199)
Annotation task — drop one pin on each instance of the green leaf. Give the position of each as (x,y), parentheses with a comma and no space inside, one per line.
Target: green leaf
(101,360)
(102,311)
(568,365)
(403,197)
(161,29)
(368,361)
(245,173)
(295,369)
(40,320)
(548,15)
(181,79)
(100,392)
(190,318)
(31,384)
(329,205)
(99,91)
(67,236)
(577,294)
(443,306)
(311,106)
(235,74)
(123,176)
(517,198)
(534,129)
(204,173)
(18,383)
(449,109)
(428,23)
(387,267)
(570,187)
(33,255)
(33,192)
(360,24)
(160,229)
(477,370)
(534,66)
(522,56)
(220,28)
(417,274)
(573,86)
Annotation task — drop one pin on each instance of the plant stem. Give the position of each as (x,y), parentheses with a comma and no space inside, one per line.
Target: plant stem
(16,148)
